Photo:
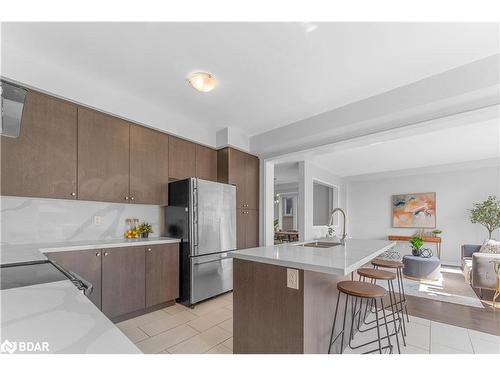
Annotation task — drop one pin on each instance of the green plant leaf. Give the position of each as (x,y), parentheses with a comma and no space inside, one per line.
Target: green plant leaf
(486,213)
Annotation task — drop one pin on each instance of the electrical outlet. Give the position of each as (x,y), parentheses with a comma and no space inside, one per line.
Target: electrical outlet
(292,278)
(97,220)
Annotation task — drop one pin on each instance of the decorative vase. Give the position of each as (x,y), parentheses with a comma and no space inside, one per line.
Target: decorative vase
(416,252)
(426,253)
(144,235)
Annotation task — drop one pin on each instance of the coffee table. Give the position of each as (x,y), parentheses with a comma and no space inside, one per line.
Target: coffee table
(420,268)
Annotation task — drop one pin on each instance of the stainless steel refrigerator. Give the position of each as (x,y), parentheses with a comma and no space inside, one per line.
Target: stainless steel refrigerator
(203,214)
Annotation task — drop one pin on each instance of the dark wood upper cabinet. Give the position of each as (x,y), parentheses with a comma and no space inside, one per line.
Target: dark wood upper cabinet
(162,274)
(148,166)
(103,157)
(123,280)
(237,174)
(242,170)
(181,158)
(41,162)
(252,177)
(206,163)
(87,264)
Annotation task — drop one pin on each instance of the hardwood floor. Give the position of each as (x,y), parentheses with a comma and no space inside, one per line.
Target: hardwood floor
(485,320)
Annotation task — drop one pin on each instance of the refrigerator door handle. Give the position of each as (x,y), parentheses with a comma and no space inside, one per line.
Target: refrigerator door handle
(209,261)
(195,218)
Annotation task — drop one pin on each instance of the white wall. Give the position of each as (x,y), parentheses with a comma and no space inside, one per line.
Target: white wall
(369,204)
(232,137)
(308,172)
(35,220)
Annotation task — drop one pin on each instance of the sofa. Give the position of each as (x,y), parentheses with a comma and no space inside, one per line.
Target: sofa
(477,267)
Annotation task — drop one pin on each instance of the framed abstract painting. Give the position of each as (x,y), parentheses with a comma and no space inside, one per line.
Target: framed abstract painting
(414,210)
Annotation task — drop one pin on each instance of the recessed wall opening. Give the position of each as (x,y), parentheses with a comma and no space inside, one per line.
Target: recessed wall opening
(286,205)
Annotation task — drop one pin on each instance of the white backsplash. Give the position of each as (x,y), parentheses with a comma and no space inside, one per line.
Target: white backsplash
(36,220)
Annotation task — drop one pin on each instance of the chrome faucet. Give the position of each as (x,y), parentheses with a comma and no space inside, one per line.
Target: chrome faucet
(330,229)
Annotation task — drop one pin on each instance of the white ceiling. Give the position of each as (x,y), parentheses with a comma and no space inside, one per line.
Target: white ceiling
(270,74)
(476,141)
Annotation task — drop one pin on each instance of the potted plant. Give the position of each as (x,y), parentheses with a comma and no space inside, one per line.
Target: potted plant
(437,232)
(145,229)
(416,245)
(487,213)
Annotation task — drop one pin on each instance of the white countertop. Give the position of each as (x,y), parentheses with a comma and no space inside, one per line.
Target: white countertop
(60,315)
(30,252)
(339,260)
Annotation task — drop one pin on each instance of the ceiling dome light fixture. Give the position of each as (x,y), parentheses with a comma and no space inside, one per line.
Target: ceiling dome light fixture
(202,81)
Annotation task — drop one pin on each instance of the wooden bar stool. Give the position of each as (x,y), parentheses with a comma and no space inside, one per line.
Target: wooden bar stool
(375,275)
(398,266)
(366,291)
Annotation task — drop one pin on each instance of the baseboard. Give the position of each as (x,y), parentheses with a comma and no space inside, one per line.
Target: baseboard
(136,313)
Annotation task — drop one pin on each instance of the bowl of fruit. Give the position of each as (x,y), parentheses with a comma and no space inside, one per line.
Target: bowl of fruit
(132,233)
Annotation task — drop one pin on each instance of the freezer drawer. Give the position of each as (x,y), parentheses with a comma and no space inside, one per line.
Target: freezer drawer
(211,275)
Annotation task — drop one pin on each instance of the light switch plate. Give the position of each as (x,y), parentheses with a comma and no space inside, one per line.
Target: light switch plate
(292,278)
(97,220)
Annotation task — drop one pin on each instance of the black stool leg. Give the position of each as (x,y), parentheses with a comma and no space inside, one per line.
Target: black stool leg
(392,297)
(343,324)
(404,296)
(353,310)
(334,320)
(400,301)
(386,326)
(378,327)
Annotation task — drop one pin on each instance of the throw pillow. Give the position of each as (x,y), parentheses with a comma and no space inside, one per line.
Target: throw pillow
(491,247)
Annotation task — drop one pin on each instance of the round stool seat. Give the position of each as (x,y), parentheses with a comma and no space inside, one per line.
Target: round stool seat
(421,268)
(376,274)
(361,289)
(387,263)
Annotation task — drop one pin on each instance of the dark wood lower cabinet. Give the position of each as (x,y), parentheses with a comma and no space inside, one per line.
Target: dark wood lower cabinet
(241,224)
(123,280)
(252,235)
(87,264)
(128,281)
(247,229)
(162,274)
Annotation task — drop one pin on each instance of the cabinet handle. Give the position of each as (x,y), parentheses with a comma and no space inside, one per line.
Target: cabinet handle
(126,198)
(149,250)
(73,194)
(106,253)
(97,254)
(131,198)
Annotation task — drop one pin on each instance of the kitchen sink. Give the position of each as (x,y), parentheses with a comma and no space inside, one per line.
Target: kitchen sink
(320,244)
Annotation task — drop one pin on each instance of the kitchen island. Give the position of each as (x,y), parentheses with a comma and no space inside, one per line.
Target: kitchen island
(284,295)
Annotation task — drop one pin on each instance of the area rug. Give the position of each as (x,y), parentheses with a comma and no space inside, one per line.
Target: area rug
(451,287)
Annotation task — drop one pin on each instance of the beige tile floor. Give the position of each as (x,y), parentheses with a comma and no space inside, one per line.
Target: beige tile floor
(208,328)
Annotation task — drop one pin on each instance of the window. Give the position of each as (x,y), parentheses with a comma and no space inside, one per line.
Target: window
(287,206)
(325,199)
